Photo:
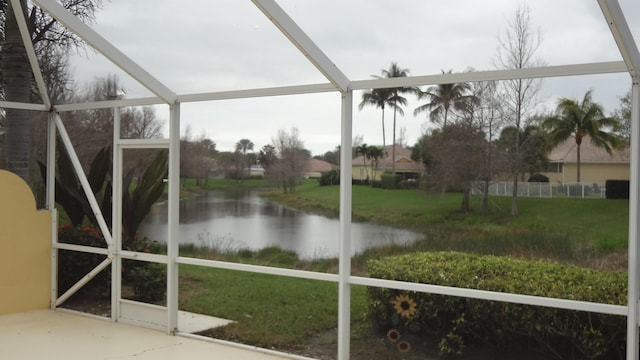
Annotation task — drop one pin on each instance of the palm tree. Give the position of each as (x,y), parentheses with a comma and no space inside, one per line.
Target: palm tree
(375,153)
(396,101)
(364,151)
(441,98)
(377,98)
(243,146)
(579,119)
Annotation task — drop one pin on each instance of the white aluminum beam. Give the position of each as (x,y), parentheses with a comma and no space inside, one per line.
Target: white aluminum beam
(51,205)
(82,177)
(81,248)
(116,217)
(110,104)
(302,41)
(621,33)
(493,296)
(112,53)
(258,269)
(254,93)
(493,75)
(144,143)
(633,267)
(31,53)
(173,249)
(83,281)
(344,260)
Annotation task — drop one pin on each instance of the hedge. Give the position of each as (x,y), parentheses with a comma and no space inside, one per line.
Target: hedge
(390,181)
(456,323)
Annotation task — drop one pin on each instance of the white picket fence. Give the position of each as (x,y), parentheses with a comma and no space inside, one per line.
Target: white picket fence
(547,190)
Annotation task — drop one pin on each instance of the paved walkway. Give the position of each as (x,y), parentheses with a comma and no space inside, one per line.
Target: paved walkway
(62,335)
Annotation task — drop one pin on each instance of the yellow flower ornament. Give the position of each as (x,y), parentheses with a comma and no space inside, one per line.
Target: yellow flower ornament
(404,306)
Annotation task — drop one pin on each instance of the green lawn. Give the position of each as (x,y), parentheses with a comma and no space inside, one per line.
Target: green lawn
(596,223)
(270,311)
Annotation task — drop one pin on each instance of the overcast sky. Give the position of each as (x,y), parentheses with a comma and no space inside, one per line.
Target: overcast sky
(215,45)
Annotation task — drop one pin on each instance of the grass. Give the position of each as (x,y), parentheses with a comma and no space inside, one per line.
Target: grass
(300,316)
(571,230)
(269,311)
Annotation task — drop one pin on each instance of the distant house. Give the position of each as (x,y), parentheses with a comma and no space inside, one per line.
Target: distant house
(361,168)
(314,168)
(596,165)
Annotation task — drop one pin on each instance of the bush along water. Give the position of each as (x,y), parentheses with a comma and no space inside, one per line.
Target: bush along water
(408,318)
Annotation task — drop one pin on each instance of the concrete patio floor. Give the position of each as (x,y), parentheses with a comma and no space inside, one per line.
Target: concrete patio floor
(63,335)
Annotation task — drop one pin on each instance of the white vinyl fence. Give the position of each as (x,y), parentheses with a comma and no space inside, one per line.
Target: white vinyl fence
(548,190)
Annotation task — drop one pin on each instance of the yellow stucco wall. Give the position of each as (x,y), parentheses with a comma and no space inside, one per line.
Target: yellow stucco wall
(25,248)
(591,173)
(359,172)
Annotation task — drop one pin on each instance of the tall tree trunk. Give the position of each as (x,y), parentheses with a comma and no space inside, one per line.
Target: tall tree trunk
(16,71)
(393,149)
(578,162)
(464,207)
(383,135)
(516,170)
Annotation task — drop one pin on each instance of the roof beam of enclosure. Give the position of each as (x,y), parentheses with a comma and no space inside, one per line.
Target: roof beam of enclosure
(31,53)
(493,75)
(621,33)
(262,92)
(110,104)
(107,49)
(547,71)
(300,39)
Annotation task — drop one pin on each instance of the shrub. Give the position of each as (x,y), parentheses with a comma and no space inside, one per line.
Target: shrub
(330,178)
(538,178)
(73,265)
(458,322)
(390,181)
(617,189)
(148,280)
(408,184)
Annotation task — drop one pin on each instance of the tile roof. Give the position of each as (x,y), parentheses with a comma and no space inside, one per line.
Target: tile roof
(403,160)
(566,152)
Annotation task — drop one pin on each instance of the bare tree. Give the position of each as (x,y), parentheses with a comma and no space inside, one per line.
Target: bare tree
(91,130)
(518,45)
(288,169)
(456,157)
(488,115)
(141,123)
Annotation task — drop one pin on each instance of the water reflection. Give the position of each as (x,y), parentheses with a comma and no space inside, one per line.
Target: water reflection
(246,220)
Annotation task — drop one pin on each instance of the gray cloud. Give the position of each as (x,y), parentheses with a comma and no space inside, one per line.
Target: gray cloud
(200,46)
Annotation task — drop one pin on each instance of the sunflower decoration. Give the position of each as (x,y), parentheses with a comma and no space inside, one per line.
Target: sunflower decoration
(404,305)
(393,335)
(403,346)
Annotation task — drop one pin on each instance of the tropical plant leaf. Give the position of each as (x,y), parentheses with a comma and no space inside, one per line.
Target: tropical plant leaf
(137,203)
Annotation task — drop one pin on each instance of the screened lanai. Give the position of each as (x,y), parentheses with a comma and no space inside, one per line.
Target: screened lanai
(235,70)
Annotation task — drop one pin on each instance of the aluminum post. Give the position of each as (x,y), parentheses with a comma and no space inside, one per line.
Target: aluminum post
(116,219)
(174,198)
(634,226)
(344,288)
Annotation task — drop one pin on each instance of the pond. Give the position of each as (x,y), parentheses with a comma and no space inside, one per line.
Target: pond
(245,220)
